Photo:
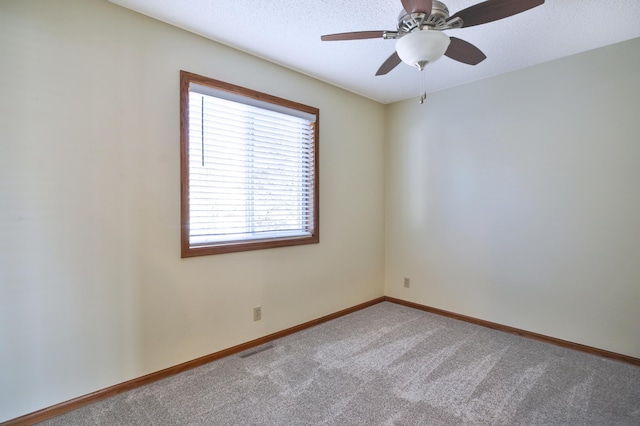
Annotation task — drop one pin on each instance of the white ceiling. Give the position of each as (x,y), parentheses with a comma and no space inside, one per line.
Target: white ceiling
(288,32)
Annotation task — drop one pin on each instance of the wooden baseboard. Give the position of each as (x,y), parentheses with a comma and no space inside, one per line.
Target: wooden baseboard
(523,333)
(56,410)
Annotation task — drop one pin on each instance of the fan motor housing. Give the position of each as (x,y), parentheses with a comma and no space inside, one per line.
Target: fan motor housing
(408,22)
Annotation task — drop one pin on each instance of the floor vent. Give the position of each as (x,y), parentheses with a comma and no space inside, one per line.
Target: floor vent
(255,351)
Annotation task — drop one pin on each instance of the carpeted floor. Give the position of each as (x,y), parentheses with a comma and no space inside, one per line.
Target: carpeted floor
(386,365)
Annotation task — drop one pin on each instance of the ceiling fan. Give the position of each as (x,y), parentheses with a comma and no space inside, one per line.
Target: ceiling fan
(419,36)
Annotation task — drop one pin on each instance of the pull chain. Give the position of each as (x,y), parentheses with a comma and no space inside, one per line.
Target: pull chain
(423,86)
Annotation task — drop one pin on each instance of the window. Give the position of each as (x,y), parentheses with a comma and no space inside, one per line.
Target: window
(249,169)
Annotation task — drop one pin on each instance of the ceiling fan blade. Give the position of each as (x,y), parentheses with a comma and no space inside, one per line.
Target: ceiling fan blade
(492,10)
(358,35)
(418,6)
(465,52)
(391,62)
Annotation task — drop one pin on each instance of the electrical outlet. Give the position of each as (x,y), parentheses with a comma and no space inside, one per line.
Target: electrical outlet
(257,313)
(407,282)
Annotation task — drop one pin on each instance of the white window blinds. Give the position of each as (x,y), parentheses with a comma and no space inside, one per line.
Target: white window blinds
(251,170)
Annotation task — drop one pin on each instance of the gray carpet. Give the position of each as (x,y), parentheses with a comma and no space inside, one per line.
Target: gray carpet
(387,365)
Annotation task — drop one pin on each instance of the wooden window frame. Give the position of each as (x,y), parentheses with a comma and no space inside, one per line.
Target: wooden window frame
(186,79)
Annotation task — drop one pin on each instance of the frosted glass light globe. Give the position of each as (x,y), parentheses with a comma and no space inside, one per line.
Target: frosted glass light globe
(422,47)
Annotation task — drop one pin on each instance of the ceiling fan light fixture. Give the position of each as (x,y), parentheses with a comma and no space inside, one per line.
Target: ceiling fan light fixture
(422,47)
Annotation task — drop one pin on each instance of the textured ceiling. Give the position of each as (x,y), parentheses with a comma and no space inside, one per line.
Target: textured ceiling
(288,32)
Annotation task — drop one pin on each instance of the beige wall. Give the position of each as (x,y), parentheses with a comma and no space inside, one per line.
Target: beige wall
(93,291)
(516,199)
